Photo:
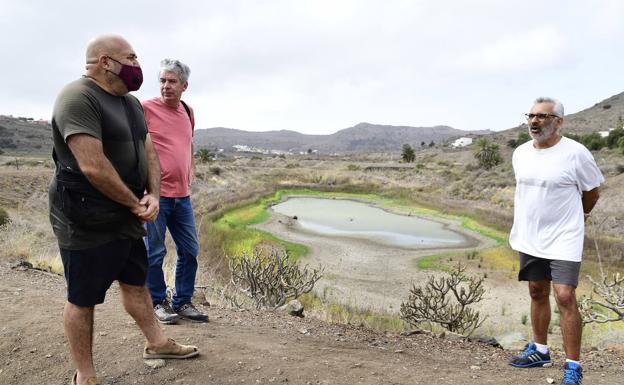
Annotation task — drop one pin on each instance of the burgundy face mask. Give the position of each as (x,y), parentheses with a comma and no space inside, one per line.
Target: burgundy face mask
(131,76)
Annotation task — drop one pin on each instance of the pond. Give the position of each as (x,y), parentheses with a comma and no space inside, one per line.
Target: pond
(348,218)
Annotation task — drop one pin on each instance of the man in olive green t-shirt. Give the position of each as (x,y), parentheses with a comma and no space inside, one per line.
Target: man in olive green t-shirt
(100,134)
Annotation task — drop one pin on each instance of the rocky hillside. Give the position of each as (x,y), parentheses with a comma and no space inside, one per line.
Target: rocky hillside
(24,136)
(602,116)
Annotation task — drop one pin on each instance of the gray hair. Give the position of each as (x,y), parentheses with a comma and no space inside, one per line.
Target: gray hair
(172,65)
(558,106)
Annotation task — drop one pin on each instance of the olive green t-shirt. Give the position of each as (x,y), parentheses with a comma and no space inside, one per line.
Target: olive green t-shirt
(82,107)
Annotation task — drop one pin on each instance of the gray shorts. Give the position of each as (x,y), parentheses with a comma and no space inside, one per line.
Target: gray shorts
(535,269)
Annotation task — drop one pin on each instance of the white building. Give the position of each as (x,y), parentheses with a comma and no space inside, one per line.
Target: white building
(462,142)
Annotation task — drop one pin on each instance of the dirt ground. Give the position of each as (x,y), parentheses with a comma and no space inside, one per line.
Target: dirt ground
(250,347)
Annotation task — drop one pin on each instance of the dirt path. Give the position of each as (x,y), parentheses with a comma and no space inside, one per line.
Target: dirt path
(248,348)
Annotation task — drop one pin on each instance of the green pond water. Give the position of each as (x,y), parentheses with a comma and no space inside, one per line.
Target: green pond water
(342,217)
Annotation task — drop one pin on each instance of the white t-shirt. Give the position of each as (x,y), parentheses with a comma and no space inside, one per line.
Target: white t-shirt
(548,211)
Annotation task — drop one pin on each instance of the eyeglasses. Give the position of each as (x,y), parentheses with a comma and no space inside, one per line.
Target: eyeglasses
(540,116)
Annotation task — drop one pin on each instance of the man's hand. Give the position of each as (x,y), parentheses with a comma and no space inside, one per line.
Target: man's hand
(151,206)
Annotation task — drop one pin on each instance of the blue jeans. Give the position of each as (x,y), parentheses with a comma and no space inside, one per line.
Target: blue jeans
(176,214)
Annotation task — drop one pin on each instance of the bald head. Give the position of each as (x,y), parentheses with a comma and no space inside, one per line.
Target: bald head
(106,56)
(105,45)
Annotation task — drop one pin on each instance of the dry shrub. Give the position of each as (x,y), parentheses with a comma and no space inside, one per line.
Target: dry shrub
(608,305)
(446,301)
(4,216)
(270,280)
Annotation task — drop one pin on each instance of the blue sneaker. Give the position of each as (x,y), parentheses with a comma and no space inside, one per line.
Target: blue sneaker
(572,374)
(530,357)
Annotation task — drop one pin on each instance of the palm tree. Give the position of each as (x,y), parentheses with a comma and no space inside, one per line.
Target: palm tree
(487,153)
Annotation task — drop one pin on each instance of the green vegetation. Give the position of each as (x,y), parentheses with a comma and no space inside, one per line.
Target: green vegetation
(434,261)
(487,153)
(408,154)
(523,137)
(238,239)
(203,155)
(595,142)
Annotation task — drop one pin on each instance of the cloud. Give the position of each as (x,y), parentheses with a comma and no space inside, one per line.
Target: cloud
(537,48)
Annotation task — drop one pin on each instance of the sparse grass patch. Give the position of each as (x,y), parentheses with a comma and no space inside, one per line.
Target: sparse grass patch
(500,258)
(500,236)
(45,262)
(434,262)
(345,314)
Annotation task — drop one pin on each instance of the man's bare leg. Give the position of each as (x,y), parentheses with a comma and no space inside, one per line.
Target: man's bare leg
(138,303)
(78,324)
(571,322)
(540,309)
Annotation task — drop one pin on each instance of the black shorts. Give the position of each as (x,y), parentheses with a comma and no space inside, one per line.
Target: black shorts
(535,269)
(90,272)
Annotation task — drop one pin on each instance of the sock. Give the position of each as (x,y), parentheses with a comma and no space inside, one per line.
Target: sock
(541,348)
(573,364)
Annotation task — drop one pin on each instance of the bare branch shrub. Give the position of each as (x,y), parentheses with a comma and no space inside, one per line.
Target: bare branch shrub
(610,306)
(445,301)
(270,280)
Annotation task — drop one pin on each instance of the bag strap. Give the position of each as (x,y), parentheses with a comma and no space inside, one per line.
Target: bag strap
(188,112)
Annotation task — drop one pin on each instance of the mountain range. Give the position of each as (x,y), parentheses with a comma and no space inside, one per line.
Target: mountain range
(25,136)
(363,137)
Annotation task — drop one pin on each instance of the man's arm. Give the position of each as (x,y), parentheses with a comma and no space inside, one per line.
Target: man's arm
(89,153)
(153,168)
(151,200)
(589,199)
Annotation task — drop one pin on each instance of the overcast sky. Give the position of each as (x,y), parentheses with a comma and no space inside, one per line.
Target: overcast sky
(320,66)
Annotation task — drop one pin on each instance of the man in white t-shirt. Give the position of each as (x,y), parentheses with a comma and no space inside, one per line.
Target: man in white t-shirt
(557,183)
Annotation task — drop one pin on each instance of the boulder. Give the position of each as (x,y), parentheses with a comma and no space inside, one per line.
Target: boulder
(294,308)
(512,341)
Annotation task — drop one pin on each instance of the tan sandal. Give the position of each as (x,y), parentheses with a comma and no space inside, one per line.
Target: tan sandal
(171,349)
(90,381)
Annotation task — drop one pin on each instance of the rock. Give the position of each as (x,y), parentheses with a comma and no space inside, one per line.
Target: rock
(485,340)
(294,308)
(550,380)
(155,363)
(22,266)
(450,335)
(475,367)
(199,298)
(414,332)
(512,341)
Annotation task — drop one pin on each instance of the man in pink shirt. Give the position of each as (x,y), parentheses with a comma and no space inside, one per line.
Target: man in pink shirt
(170,124)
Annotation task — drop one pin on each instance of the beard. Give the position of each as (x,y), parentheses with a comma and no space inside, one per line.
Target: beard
(545,132)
